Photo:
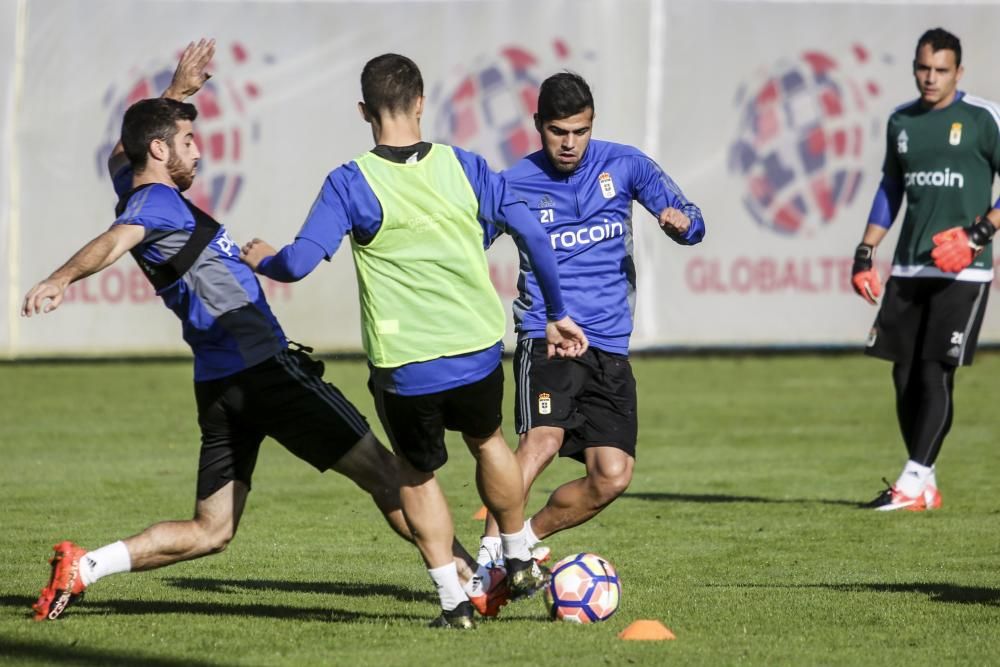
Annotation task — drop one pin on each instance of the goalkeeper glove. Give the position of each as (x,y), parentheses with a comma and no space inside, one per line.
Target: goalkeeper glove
(957,247)
(864,276)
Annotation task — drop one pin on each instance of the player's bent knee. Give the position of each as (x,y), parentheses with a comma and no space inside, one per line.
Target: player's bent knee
(610,481)
(217,541)
(605,489)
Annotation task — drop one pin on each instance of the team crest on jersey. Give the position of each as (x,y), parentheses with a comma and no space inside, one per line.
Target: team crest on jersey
(901,142)
(607,185)
(546,201)
(955,136)
(544,403)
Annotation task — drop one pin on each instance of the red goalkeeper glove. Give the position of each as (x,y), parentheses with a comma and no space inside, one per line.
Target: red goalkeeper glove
(864,277)
(956,248)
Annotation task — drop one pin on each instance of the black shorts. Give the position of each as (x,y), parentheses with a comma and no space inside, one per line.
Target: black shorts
(592,397)
(931,319)
(416,424)
(284,397)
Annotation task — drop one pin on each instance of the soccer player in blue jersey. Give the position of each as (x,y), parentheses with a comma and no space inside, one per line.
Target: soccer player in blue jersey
(581,192)
(432,323)
(943,154)
(248,383)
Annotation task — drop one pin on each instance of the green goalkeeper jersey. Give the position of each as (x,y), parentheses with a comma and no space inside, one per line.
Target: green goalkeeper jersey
(945,160)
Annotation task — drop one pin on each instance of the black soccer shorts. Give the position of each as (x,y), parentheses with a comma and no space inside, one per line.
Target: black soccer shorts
(284,397)
(932,319)
(416,424)
(591,397)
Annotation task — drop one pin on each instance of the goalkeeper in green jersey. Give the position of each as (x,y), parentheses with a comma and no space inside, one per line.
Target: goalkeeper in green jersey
(942,152)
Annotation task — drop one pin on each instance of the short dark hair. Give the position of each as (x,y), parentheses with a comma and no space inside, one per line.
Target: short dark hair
(390,84)
(148,120)
(940,39)
(563,95)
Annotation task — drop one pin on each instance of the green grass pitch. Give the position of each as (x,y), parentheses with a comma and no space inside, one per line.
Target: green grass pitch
(740,531)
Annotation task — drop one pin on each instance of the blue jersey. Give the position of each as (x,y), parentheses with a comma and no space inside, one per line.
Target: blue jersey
(346,204)
(587,216)
(225,317)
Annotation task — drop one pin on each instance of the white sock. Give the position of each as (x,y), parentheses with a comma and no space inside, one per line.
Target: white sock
(479,583)
(913,479)
(490,550)
(932,478)
(445,578)
(110,559)
(530,535)
(515,545)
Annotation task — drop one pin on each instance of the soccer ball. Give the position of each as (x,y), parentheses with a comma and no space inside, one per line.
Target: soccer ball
(584,589)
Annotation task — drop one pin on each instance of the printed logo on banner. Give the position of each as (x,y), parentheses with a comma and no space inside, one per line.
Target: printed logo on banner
(225,127)
(488,106)
(802,137)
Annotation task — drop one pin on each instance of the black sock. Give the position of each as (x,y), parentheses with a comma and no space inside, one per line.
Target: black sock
(933,411)
(907,385)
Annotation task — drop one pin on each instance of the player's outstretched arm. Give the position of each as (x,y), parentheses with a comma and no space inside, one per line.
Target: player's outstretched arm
(97,255)
(190,75)
(864,276)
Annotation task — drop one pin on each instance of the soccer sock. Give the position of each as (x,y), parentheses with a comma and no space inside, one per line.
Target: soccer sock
(515,545)
(907,386)
(530,535)
(449,588)
(490,550)
(932,478)
(913,479)
(479,583)
(935,411)
(110,559)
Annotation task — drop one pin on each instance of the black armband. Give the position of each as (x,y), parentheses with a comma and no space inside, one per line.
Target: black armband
(863,255)
(981,233)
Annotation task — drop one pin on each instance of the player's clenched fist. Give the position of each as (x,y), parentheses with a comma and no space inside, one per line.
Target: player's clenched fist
(864,276)
(256,251)
(673,222)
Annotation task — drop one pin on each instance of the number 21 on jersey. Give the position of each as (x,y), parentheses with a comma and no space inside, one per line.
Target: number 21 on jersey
(548,215)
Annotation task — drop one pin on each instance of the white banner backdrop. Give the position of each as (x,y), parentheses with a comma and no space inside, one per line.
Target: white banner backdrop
(8,56)
(675,78)
(786,103)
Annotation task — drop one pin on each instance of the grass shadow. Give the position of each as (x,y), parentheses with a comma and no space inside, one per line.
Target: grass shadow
(943,592)
(255,610)
(73,655)
(326,587)
(939,592)
(710,498)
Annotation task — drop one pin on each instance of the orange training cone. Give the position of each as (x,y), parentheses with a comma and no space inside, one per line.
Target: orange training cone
(480,514)
(647,630)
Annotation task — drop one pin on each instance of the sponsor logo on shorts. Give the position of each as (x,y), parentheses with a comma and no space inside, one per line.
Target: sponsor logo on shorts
(940,179)
(872,337)
(607,185)
(955,351)
(544,403)
(955,136)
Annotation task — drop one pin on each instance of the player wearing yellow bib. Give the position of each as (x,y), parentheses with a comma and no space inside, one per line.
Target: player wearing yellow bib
(432,323)
(942,152)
